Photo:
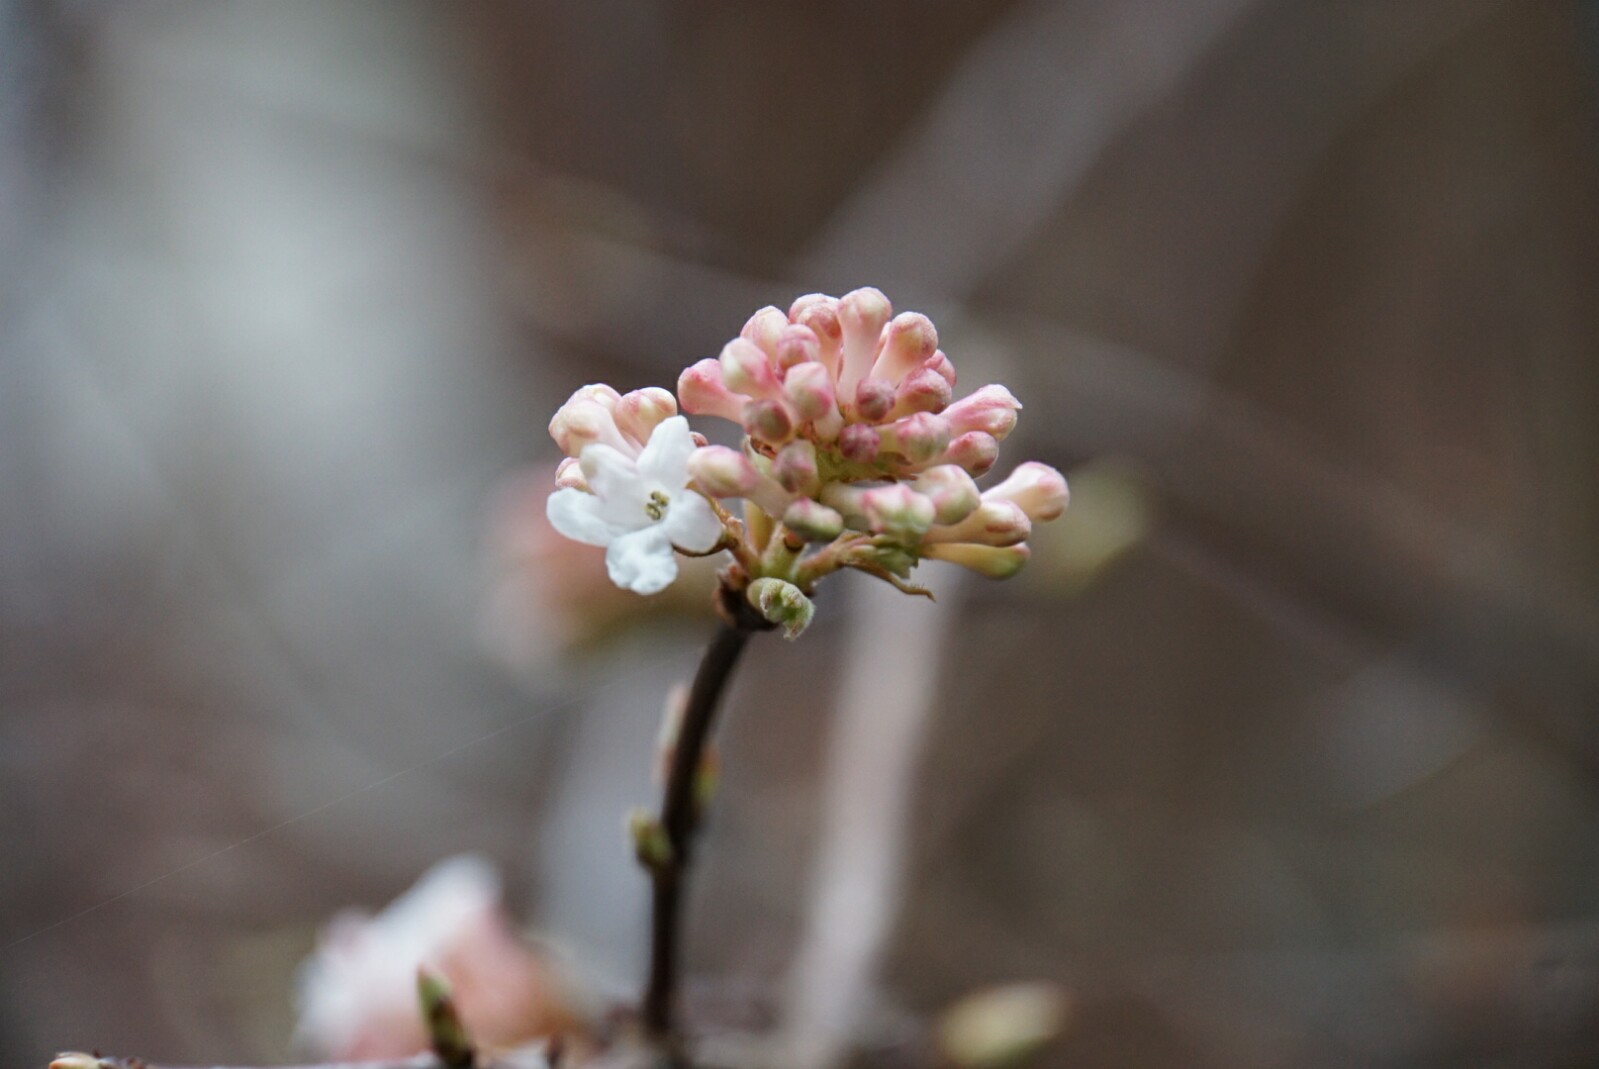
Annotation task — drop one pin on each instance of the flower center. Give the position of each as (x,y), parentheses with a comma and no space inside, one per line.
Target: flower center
(655,507)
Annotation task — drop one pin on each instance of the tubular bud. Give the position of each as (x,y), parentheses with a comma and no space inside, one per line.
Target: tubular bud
(722,472)
(992,523)
(874,398)
(763,329)
(859,443)
(570,473)
(704,392)
(599,392)
(746,369)
(897,511)
(910,341)
(809,388)
(638,411)
(1038,489)
(862,314)
(991,562)
(975,451)
(951,490)
(939,363)
(918,438)
(794,467)
(813,521)
(820,312)
(796,344)
(584,422)
(923,390)
(991,409)
(769,421)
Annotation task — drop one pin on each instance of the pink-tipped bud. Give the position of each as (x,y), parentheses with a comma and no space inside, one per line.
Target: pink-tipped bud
(1037,489)
(862,314)
(939,363)
(992,523)
(809,389)
(991,562)
(975,451)
(583,422)
(908,343)
(923,390)
(703,392)
(874,399)
(569,474)
(768,421)
(819,312)
(796,345)
(638,411)
(951,490)
(747,370)
(764,328)
(605,396)
(991,410)
(918,438)
(859,443)
(722,472)
(813,521)
(897,511)
(794,468)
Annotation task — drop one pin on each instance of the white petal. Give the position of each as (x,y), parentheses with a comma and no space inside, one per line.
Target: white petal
(610,472)
(578,516)
(665,458)
(691,524)
(642,561)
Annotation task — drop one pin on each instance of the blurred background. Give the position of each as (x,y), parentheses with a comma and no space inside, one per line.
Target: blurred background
(1283,752)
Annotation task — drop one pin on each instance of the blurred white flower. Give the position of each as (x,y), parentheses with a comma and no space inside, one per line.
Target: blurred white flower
(357,991)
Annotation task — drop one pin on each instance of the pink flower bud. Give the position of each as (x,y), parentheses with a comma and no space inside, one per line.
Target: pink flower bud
(605,395)
(975,451)
(746,369)
(763,328)
(569,473)
(722,472)
(769,421)
(859,443)
(951,490)
(992,523)
(908,343)
(923,390)
(897,511)
(991,409)
(940,363)
(704,393)
(991,562)
(796,345)
(874,398)
(862,315)
(1038,489)
(918,438)
(813,521)
(794,467)
(638,411)
(819,312)
(809,389)
(582,422)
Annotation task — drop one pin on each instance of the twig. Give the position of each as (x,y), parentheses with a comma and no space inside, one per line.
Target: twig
(679,818)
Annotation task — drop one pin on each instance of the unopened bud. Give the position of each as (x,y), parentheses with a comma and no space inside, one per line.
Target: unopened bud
(1038,489)
(940,364)
(897,511)
(862,314)
(991,409)
(638,412)
(910,340)
(874,398)
(583,422)
(447,1035)
(769,421)
(747,370)
(918,438)
(722,472)
(813,521)
(598,392)
(794,467)
(820,312)
(809,388)
(992,523)
(651,845)
(975,451)
(859,443)
(923,390)
(951,490)
(796,344)
(703,392)
(569,474)
(764,327)
(73,1059)
(991,562)
(783,604)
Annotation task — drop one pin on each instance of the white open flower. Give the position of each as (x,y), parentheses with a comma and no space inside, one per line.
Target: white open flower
(639,509)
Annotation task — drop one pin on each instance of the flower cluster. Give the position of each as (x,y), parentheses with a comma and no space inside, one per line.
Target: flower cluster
(855,455)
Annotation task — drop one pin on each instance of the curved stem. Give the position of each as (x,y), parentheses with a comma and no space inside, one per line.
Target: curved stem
(679,817)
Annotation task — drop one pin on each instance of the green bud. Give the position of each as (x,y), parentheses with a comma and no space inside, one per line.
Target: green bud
(782,604)
(651,845)
(445,1031)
